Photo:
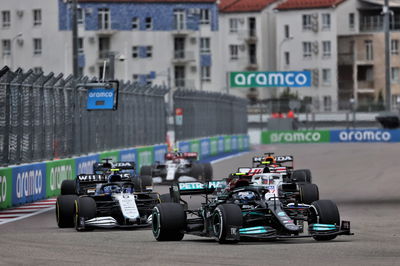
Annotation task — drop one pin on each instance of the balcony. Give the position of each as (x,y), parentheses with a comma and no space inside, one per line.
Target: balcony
(365,85)
(249,36)
(375,23)
(180,29)
(183,56)
(181,83)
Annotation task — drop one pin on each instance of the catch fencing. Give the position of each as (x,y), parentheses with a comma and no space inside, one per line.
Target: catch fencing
(209,114)
(40,120)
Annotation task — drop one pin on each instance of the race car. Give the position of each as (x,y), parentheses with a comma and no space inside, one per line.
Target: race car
(244,211)
(283,164)
(178,166)
(105,201)
(127,170)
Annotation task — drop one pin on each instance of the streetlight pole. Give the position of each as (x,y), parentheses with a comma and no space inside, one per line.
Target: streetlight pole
(75,41)
(388,91)
(12,52)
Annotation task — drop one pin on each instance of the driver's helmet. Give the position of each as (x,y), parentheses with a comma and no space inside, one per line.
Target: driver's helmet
(127,189)
(246,197)
(112,189)
(268,160)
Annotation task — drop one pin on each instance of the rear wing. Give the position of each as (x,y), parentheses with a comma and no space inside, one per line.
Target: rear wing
(194,188)
(85,178)
(124,165)
(279,160)
(181,155)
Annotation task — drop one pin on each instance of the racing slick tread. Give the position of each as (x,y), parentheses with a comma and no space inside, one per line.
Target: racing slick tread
(309,193)
(68,187)
(207,171)
(65,210)
(168,221)
(146,170)
(84,207)
(328,213)
(302,175)
(231,215)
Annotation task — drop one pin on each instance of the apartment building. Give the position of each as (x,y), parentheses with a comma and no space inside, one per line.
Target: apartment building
(30,37)
(306,39)
(248,43)
(361,50)
(154,42)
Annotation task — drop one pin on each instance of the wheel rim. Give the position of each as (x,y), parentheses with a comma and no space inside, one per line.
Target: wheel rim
(217,224)
(156,222)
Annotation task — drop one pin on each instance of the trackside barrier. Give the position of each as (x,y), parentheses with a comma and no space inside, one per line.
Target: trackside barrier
(330,136)
(31,182)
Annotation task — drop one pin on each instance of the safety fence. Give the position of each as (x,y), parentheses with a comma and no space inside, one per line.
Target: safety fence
(32,182)
(199,114)
(330,136)
(44,117)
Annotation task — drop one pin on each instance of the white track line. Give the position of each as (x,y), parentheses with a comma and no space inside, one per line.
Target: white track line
(228,157)
(26,216)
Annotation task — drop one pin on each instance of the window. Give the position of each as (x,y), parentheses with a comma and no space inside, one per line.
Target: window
(234,51)
(148,23)
(205,73)
(326,48)
(394,46)
(179,19)
(149,51)
(104,19)
(79,16)
(326,21)
(233,25)
(205,45)
(6,19)
(135,51)
(369,50)
(37,46)
(351,21)
(327,103)
(179,74)
(307,22)
(287,32)
(287,58)
(80,46)
(204,16)
(394,74)
(326,76)
(37,17)
(135,23)
(6,45)
(306,49)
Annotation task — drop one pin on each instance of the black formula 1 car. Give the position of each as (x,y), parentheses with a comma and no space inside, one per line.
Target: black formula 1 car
(178,166)
(244,212)
(106,201)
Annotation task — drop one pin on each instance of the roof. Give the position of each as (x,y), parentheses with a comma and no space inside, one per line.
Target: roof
(147,1)
(307,4)
(233,6)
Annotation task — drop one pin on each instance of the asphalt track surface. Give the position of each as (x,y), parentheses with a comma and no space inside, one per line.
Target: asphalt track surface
(362,178)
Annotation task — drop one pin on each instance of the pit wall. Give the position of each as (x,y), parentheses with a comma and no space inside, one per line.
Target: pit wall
(330,136)
(31,182)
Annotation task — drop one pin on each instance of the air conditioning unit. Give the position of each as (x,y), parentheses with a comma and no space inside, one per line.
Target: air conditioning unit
(315,47)
(20,13)
(314,22)
(92,39)
(193,40)
(315,77)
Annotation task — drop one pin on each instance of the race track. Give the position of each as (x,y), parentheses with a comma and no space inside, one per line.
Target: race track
(363,179)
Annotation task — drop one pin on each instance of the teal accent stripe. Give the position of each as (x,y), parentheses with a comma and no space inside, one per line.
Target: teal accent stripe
(324,225)
(254,232)
(251,228)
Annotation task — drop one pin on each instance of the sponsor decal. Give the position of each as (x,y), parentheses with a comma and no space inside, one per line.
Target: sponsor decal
(221,148)
(205,147)
(281,214)
(284,158)
(227,144)
(159,153)
(84,165)
(100,98)
(29,183)
(91,178)
(184,146)
(128,155)
(303,136)
(195,146)
(213,146)
(234,143)
(365,135)
(5,187)
(145,156)
(56,172)
(190,186)
(270,79)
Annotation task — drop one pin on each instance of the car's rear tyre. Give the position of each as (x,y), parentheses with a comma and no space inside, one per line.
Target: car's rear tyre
(68,187)
(147,182)
(324,212)
(85,207)
(168,222)
(208,171)
(65,205)
(225,217)
(302,176)
(197,171)
(146,170)
(308,193)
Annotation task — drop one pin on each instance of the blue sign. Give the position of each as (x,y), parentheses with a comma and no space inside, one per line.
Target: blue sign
(101,99)
(234,143)
(29,183)
(184,146)
(84,165)
(159,153)
(205,148)
(129,155)
(221,146)
(365,135)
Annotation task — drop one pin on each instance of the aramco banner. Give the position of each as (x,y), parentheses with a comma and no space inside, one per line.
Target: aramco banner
(270,79)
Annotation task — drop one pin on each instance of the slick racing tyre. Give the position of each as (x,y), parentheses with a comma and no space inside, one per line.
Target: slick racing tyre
(68,187)
(146,170)
(168,222)
(324,212)
(197,171)
(308,193)
(147,183)
(302,176)
(226,217)
(85,209)
(166,198)
(207,171)
(65,211)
